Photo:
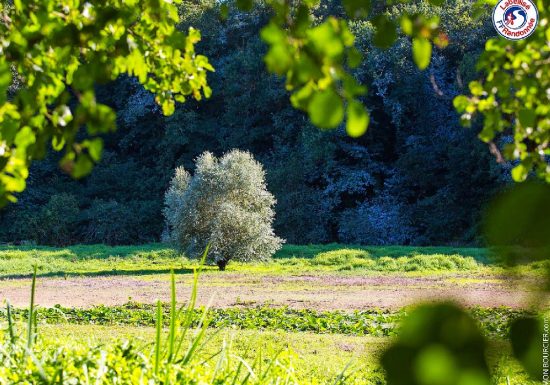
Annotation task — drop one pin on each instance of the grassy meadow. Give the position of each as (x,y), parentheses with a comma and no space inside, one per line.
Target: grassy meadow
(99,260)
(333,306)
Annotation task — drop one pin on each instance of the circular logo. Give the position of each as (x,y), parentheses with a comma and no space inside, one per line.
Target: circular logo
(515,19)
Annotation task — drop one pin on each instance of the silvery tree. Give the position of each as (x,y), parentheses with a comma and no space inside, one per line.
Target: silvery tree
(225,204)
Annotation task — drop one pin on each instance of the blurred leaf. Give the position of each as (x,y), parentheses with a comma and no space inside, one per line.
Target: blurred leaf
(357,120)
(245,5)
(354,57)
(5,79)
(437,345)
(326,39)
(357,8)
(406,25)
(278,59)
(326,109)
(520,173)
(526,335)
(82,167)
(95,147)
(224,11)
(527,117)
(386,31)
(520,218)
(422,52)
(460,103)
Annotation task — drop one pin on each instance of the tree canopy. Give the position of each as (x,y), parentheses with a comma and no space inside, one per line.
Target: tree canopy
(58,51)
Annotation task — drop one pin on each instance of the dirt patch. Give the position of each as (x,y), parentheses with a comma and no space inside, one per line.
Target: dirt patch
(330,291)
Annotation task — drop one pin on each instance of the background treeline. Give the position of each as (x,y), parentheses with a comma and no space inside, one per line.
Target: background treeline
(416,177)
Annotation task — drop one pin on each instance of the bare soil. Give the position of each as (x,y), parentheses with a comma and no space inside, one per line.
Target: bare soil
(330,291)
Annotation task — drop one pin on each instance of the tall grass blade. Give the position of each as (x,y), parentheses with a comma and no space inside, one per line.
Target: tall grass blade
(31,311)
(190,312)
(237,373)
(342,376)
(158,337)
(11,330)
(271,363)
(173,317)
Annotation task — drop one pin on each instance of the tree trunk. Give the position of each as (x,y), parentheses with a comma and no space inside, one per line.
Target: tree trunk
(221,264)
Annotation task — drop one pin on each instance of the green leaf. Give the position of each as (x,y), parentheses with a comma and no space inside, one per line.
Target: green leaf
(354,57)
(24,138)
(520,173)
(357,8)
(278,59)
(326,39)
(358,119)
(476,88)
(527,117)
(526,338)
(460,103)
(386,31)
(5,79)
(245,5)
(438,344)
(272,34)
(224,11)
(520,218)
(406,25)
(422,52)
(82,167)
(95,147)
(326,109)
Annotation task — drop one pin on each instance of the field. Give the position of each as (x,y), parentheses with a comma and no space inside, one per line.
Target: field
(332,305)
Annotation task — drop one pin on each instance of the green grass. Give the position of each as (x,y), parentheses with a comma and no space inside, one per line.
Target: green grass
(324,342)
(318,358)
(310,251)
(92,260)
(314,357)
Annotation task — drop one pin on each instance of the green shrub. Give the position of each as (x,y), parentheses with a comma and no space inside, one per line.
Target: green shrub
(388,263)
(339,257)
(226,205)
(116,223)
(56,221)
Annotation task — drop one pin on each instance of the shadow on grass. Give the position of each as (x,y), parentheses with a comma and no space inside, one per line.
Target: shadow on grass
(101,273)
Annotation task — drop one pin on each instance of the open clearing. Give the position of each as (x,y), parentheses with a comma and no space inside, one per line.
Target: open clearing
(319,277)
(89,282)
(328,291)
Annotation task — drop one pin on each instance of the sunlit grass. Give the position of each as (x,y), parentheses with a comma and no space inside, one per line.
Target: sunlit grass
(318,357)
(157,259)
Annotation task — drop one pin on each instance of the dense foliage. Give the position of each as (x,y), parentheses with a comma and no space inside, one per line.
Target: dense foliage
(416,177)
(58,51)
(513,99)
(226,207)
(495,322)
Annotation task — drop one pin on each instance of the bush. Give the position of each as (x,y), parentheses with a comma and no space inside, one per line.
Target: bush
(339,257)
(225,204)
(56,222)
(116,223)
(381,222)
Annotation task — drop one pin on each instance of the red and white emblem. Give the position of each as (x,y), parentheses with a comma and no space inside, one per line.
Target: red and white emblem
(515,19)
